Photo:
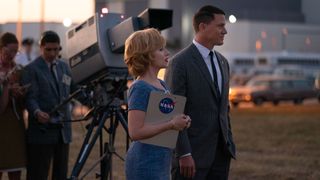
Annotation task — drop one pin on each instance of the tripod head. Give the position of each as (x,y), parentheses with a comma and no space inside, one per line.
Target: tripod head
(107,89)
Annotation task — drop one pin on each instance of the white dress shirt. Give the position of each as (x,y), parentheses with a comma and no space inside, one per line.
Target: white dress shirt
(206,57)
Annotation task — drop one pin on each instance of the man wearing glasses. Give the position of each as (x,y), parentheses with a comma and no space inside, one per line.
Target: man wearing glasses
(48,134)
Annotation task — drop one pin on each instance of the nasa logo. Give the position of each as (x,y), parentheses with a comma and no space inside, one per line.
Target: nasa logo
(166,105)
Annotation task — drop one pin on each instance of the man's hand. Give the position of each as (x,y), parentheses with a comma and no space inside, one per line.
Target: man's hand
(187,166)
(43,117)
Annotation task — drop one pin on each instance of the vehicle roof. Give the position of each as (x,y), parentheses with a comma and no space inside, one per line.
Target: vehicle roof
(273,77)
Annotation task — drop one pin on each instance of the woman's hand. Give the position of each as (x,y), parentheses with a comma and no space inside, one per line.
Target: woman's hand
(180,122)
(16,90)
(3,78)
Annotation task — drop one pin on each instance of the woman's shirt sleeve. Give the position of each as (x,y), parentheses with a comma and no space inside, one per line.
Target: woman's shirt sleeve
(138,97)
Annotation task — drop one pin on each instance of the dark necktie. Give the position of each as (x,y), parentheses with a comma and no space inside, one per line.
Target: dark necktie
(29,57)
(214,72)
(53,67)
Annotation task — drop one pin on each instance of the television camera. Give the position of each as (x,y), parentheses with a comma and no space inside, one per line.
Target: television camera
(95,47)
(95,56)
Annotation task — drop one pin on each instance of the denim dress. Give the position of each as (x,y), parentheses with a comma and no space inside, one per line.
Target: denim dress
(145,161)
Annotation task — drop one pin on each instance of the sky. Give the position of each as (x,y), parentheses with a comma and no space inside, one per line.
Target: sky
(55,10)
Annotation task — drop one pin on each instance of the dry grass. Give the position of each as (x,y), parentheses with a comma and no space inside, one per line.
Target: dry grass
(280,142)
(120,148)
(273,143)
(277,142)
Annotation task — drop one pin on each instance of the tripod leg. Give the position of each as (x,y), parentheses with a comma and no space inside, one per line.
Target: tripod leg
(122,118)
(88,145)
(110,149)
(106,162)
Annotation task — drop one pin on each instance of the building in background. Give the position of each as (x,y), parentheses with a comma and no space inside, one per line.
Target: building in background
(267,25)
(264,29)
(256,27)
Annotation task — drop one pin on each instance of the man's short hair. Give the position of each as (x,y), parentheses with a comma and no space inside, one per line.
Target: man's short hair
(205,15)
(49,37)
(27,41)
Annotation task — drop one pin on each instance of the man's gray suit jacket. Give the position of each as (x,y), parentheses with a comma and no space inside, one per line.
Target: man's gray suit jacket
(188,75)
(44,95)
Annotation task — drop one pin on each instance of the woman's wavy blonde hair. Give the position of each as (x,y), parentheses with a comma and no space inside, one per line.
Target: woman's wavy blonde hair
(139,48)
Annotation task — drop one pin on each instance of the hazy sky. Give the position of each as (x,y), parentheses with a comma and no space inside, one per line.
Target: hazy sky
(55,10)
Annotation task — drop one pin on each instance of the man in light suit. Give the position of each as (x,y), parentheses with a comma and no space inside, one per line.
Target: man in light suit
(48,137)
(205,149)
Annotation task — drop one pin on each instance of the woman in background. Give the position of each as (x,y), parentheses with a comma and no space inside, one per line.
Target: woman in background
(12,129)
(145,55)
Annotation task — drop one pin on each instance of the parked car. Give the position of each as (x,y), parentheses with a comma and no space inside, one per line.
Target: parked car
(274,89)
(317,81)
(289,71)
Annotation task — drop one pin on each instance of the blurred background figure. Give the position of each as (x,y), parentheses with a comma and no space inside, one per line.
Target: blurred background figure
(26,54)
(12,129)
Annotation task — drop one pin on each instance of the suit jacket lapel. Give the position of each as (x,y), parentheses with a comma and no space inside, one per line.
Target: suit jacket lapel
(203,68)
(59,76)
(47,73)
(223,68)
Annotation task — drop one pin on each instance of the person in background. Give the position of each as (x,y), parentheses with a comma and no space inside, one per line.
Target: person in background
(201,74)
(26,54)
(12,129)
(145,55)
(48,134)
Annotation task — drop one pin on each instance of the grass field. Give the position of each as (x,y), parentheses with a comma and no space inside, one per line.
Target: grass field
(280,142)
(273,143)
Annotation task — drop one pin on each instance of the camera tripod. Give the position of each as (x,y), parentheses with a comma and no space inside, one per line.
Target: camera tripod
(114,114)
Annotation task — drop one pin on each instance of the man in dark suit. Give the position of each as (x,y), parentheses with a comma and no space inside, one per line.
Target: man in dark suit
(201,74)
(48,137)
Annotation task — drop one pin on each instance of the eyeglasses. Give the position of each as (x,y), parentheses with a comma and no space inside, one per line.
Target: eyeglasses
(12,51)
(52,49)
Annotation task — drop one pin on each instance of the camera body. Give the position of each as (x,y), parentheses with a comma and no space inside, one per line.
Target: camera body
(95,47)
(88,49)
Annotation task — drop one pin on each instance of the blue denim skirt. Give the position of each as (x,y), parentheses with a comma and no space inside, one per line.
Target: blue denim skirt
(145,161)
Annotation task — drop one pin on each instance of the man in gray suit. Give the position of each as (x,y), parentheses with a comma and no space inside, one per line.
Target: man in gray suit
(48,137)
(201,74)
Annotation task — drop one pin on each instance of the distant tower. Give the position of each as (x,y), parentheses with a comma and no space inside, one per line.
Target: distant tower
(99,4)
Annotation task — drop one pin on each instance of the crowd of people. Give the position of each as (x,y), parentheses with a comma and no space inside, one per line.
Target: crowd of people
(204,147)
(38,87)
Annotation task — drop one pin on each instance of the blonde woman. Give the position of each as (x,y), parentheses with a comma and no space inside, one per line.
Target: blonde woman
(145,55)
